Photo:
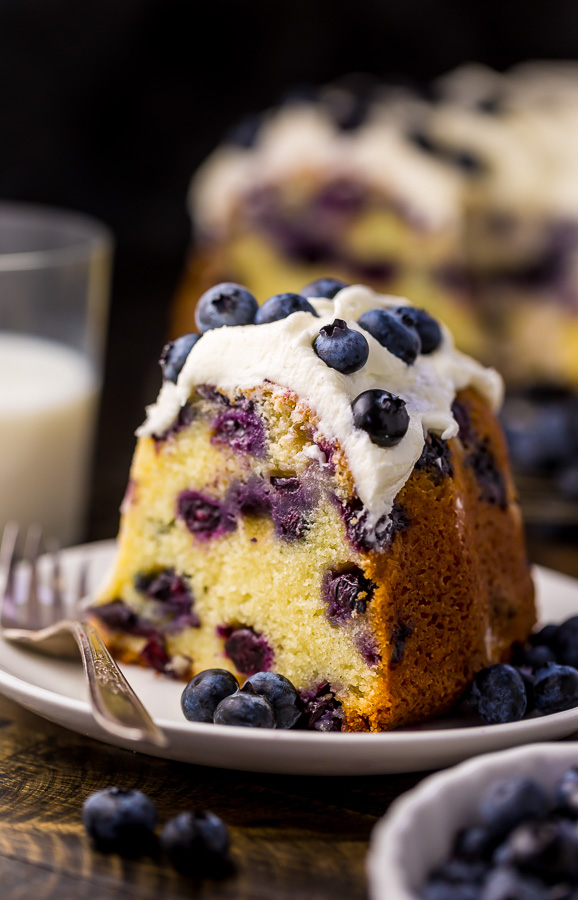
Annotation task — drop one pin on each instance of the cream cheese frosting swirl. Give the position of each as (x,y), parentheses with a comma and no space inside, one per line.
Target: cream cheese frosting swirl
(243,357)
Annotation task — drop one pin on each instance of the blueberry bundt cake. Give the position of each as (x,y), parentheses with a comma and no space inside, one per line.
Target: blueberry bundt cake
(322,490)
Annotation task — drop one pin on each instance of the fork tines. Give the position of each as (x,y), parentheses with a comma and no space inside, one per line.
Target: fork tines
(19,577)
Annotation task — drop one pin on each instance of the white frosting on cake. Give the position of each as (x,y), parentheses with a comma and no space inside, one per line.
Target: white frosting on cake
(301,139)
(282,352)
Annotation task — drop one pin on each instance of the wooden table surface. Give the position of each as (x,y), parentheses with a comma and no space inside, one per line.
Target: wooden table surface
(292,836)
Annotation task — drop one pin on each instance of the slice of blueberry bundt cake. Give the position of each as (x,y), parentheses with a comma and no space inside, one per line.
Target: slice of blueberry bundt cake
(322,490)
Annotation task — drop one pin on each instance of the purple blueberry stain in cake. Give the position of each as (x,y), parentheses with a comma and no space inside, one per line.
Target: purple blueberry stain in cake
(154,653)
(204,517)
(365,536)
(346,594)
(240,429)
(399,636)
(173,593)
(488,475)
(321,710)
(436,458)
(251,498)
(367,645)
(247,649)
(118,616)
(291,503)
(185,417)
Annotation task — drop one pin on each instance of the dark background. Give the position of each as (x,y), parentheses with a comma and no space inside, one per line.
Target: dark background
(108,106)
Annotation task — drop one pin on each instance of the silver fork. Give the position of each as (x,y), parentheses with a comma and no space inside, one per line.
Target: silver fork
(114,704)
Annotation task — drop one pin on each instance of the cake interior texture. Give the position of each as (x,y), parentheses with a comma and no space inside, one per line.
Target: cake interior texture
(244,545)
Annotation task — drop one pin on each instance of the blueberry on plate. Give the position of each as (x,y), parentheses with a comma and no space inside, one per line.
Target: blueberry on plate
(536,657)
(196,843)
(341,348)
(556,688)
(225,304)
(545,637)
(428,329)
(245,709)
(120,820)
(382,415)
(498,694)
(205,691)
(388,329)
(174,355)
(565,642)
(506,803)
(280,693)
(280,306)
(324,287)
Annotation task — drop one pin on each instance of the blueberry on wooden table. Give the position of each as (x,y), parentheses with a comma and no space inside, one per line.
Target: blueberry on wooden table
(280,693)
(341,348)
(120,820)
(205,691)
(174,355)
(225,304)
(324,287)
(245,709)
(197,844)
(382,415)
(388,329)
(280,306)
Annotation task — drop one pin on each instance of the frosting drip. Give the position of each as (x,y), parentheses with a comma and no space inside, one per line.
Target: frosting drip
(281,352)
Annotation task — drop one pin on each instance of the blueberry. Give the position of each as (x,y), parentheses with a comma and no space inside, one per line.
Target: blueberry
(280,306)
(346,594)
(566,793)
(205,691)
(565,642)
(197,843)
(428,329)
(280,693)
(324,287)
(249,651)
(392,333)
(460,871)
(240,429)
(225,304)
(546,636)
(507,884)
(204,517)
(498,694)
(506,803)
(341,348)
(174,355)
(536,657)
(249,710)
(547,849)
(382,415)
(556,688)
(444,890)
(120,820)
(475,842)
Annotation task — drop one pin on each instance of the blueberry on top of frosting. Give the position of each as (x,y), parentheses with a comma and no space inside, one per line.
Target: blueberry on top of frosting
(382,415)
(428,329)
(225,304)
(324,287)
(341,348)
(174,355)
(280,306)
(388,329)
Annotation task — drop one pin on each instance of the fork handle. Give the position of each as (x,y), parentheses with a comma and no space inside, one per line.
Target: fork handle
(115,705)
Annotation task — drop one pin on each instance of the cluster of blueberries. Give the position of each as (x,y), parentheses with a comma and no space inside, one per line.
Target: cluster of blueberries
(123,820)
(543,677)
(403,330)
(525,846)
(266,700)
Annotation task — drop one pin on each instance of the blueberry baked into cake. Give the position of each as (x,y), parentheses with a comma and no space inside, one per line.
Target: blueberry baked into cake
(322,490)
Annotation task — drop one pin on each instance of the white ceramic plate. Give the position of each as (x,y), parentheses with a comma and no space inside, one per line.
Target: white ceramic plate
(55,689)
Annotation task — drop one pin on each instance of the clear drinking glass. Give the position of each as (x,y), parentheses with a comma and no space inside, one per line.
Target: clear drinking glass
(54,290)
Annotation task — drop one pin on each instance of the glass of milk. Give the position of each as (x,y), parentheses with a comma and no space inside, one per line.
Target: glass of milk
(54,289)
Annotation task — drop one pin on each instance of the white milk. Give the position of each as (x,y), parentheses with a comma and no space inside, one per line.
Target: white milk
(48,400)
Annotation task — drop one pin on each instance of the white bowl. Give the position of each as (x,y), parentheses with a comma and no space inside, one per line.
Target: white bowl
(418,831)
